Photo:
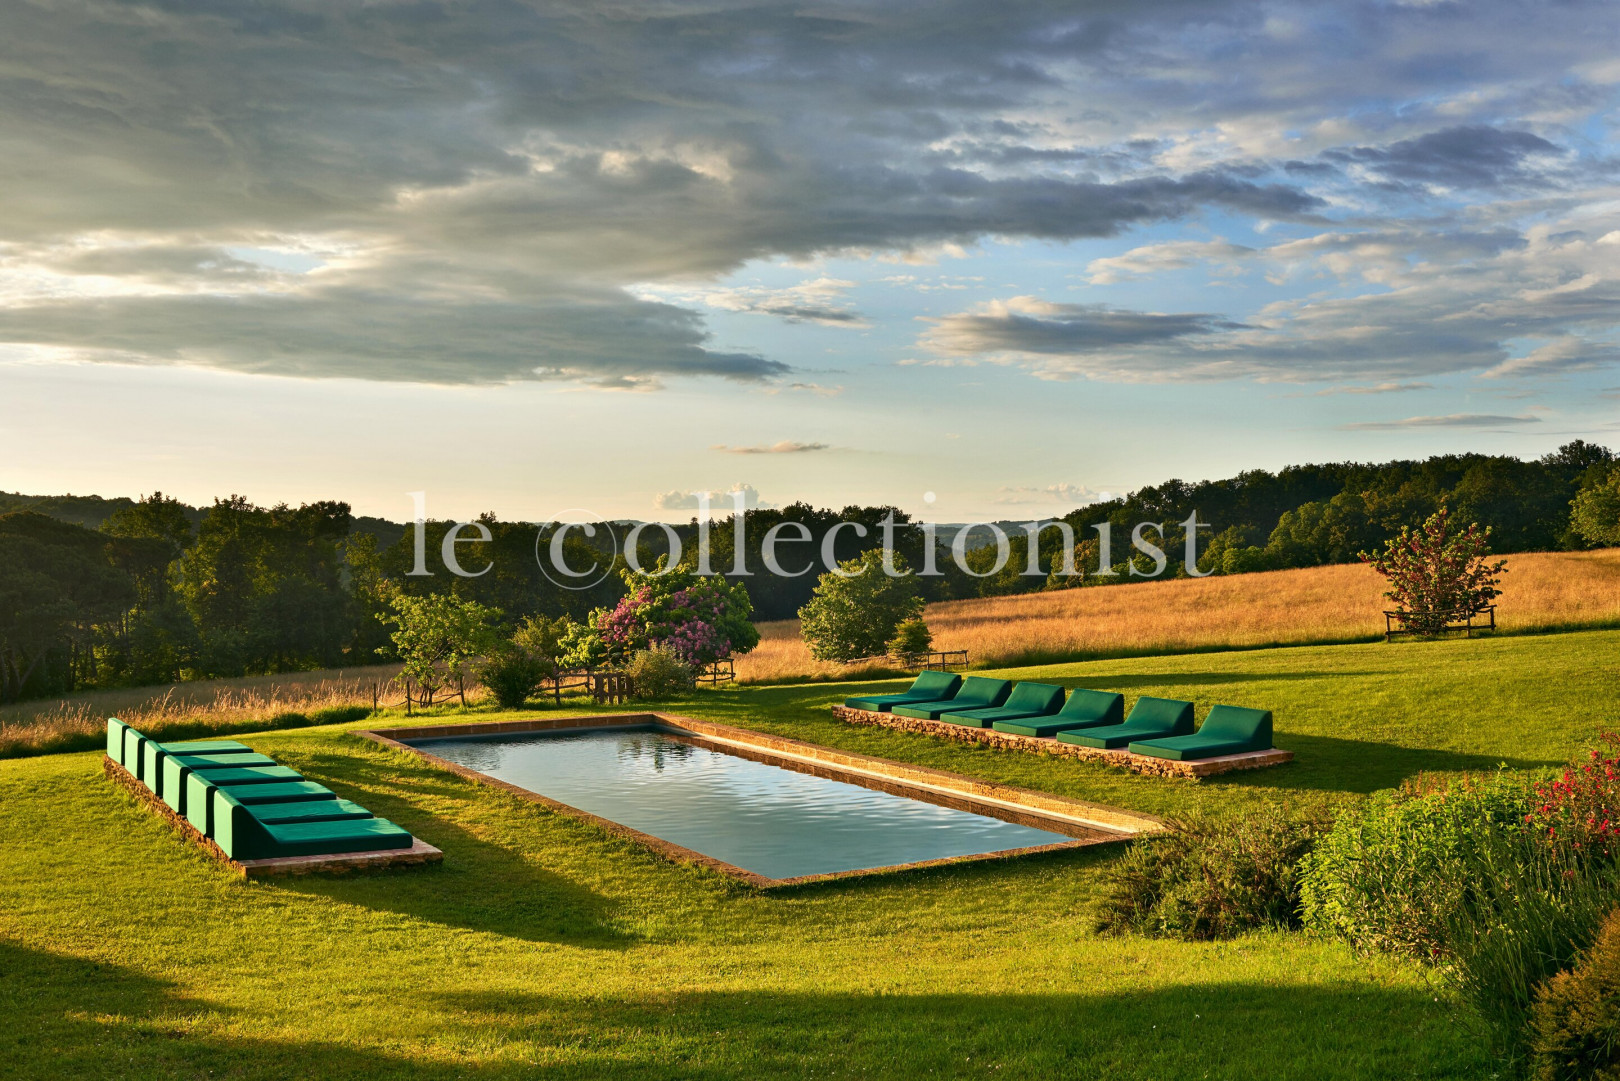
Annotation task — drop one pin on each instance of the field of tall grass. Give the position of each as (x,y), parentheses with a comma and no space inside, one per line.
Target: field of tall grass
(208,707)
(1342,603)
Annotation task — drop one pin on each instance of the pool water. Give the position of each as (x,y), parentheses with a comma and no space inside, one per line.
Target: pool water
(763,818)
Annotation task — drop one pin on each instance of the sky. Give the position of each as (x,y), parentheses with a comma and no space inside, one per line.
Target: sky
(975,259)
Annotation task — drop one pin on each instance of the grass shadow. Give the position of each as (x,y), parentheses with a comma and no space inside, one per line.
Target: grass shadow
(480,886)
(1335,764)
(63,1016)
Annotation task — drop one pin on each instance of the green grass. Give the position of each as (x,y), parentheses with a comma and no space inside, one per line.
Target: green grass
(545,948)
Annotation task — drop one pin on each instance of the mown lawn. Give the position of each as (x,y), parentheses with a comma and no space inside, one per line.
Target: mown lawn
(545,948)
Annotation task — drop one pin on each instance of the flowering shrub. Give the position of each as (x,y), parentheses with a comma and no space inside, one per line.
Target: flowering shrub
(1500,882)
(1434,576)
(1581,809)
(697,620)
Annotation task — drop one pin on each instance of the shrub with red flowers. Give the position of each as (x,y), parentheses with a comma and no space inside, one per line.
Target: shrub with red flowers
(1436,576)
(1580,810)
(699,620)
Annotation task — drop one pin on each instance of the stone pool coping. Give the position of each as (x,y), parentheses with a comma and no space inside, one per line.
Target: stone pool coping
(1193,770)
(1086,823)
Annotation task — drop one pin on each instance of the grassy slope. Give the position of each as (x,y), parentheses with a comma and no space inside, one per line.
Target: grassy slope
(545,948)
(1322,605)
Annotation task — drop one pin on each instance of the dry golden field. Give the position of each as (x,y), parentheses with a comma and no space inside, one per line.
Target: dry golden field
(1320,604)
(182,710)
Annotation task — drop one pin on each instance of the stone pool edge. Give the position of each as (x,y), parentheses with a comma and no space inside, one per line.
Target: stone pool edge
(1086,823)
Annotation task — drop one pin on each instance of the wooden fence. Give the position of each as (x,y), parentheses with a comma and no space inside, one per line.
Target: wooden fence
(941,660)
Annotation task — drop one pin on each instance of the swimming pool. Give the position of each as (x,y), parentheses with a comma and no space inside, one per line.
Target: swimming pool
(769,810)
(772,821)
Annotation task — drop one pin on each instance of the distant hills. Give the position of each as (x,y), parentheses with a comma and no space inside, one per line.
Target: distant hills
(91,510)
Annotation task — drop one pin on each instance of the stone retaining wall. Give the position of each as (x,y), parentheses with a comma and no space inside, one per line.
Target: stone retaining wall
(1006,741)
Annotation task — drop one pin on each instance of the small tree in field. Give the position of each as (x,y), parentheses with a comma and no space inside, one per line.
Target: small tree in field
(514,669)
(856,613)
(437,638)
(1436,576)
(1595,511)
(911,636)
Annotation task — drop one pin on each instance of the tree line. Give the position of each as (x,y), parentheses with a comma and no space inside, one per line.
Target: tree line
(155,591)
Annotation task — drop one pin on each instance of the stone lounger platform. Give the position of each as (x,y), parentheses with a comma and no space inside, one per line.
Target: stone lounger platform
(1195,770)
(418,854)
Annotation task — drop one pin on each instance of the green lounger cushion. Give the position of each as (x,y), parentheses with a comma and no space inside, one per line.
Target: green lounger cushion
(154,757)
(197,784)
(241,836)
(115,739)
(200,796)
(1151,718)
(1227,730)
(1086,709)
(977,692)
(134,748)
(251,775)
(324,810)
(1026,700)
(929,687)
(207,746)
(327,838)
(175,768)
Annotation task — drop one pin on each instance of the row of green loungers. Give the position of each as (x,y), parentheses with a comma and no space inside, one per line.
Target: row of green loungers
(249,806)
(1157,727)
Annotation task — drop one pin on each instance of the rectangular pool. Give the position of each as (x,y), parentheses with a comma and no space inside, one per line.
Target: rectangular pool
(768,819)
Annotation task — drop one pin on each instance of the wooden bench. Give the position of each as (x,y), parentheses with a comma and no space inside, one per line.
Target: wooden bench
(1463,619)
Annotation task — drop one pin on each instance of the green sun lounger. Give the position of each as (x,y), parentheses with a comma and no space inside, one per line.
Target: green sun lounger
(1227,730)
(251,807)
(1151,718)
(324,810)
(242,835)
(1084,709)
(1028,700)
(143,757)
(929,687)
(977,692)
(200,796)
(171,774)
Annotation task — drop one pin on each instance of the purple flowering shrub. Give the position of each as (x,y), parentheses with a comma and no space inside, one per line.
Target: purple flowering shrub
(699,620)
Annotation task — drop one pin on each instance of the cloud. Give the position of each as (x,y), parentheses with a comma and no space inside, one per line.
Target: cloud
(1073,495)
(491,192)
(1381,388)
(1030,325)
(720,503)
(1560,355)
(1405,305)
(1454,420)
(786,446)
(1156,258)
(821,389)
(1472,156)
(820,300)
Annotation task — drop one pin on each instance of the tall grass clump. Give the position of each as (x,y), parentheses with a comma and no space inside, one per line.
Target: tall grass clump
(199,709)
(1203,879)
(1575,1022)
